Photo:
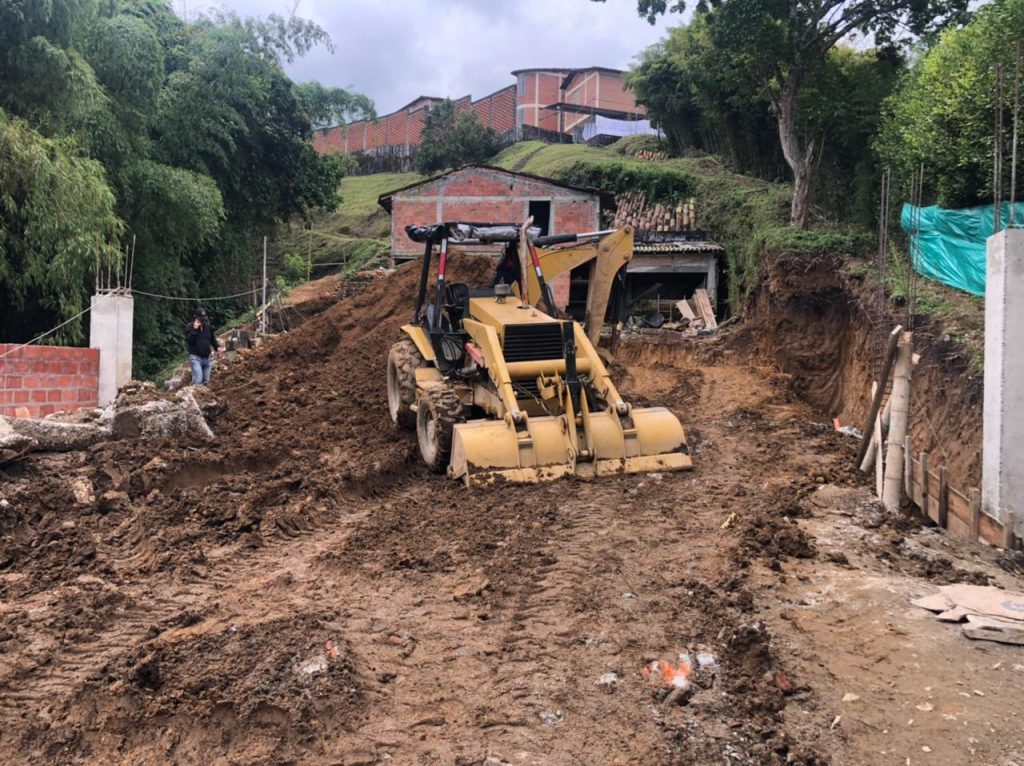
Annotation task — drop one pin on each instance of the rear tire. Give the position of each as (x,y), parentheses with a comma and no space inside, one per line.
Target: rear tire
(403,360)
(437,412)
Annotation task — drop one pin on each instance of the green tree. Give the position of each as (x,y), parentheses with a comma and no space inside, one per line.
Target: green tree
(57,229)
(702,99)
(449,141)
(942,113)
(783,45)
(193,132)
(326,107)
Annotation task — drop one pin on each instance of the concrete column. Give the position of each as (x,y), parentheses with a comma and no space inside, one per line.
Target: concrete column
(110,330)
(1002,480)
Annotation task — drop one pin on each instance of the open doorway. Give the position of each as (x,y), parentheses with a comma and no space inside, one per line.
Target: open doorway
(541,212)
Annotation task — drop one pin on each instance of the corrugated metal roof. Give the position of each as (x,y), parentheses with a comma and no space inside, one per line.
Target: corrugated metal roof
(677,247)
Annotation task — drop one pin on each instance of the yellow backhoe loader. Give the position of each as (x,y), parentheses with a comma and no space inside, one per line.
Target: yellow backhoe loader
(499,389)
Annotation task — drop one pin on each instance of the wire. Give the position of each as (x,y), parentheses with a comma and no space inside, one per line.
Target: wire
(49,332)
(140,292)
(197,300)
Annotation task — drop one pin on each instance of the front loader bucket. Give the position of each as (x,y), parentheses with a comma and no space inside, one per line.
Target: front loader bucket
(484,451)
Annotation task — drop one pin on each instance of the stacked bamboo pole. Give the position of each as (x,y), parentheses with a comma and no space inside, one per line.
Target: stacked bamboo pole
(633,210)
(647,154)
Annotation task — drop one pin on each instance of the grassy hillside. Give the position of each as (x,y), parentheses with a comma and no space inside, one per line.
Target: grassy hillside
(357,234)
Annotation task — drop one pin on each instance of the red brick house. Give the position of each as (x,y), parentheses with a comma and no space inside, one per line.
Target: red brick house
(560,99)
(483,193)
(554,100)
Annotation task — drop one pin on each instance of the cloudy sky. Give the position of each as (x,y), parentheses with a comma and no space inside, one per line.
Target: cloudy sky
(396,50)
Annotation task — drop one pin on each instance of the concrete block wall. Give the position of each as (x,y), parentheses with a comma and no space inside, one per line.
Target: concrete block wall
(39,380)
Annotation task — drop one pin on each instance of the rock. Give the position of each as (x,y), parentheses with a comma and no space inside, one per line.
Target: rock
(113,500)
(607,680)
(197,425)
(142,412)
(82,489)
(473,587)
(850,697)
(13,445)
(55,436)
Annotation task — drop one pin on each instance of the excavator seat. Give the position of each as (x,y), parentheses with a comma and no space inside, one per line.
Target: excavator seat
(457,296)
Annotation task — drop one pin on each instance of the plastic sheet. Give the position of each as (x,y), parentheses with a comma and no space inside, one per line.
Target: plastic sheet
(949,245)
(458,231)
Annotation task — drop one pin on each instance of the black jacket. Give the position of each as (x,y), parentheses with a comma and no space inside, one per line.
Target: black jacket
(202,341)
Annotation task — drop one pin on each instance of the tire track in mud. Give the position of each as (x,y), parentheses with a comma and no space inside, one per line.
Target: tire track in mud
(41,685)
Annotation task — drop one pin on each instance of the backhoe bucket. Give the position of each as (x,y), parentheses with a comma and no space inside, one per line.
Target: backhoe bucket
(484,451)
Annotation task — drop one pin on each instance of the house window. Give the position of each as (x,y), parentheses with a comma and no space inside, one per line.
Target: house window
(521,86)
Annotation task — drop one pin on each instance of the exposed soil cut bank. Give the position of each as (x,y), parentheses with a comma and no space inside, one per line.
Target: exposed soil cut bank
(825,327)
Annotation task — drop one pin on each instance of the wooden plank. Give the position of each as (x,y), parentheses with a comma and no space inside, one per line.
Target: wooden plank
(961,530)
(683,307)
(959,507)
(989,529)
(925,483)
(943,498)
(703,305)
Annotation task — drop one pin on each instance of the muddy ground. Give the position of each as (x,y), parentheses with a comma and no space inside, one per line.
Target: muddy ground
(303,592)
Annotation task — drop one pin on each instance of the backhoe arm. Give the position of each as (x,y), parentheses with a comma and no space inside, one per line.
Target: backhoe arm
(609,255)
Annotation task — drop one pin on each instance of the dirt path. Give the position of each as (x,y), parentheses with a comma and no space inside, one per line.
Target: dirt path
(303,592)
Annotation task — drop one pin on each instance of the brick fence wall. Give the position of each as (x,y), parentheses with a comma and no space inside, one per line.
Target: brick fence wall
(39,380)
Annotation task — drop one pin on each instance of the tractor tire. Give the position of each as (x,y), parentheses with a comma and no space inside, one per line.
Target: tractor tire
(437,412)
(403,359)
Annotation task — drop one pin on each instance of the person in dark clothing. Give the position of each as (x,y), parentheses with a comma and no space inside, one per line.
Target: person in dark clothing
(508,266)
(202,345)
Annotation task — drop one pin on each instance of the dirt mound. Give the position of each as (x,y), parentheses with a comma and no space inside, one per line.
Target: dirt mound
(257,689)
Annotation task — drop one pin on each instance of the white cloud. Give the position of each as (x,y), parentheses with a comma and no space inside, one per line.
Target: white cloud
(396,50)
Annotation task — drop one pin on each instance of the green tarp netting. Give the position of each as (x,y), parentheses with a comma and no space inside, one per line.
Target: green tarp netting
(950,244)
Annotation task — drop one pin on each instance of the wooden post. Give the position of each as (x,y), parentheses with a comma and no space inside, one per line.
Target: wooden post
(943,499)
(868,460)
(876,399)
(1008,519)
(924,482)
(879,458)
(908,468)
(876,441)
(893,485)
(975,498)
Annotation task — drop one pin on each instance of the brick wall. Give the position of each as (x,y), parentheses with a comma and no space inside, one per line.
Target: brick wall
(485,194)
(404,127)
(39,380)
